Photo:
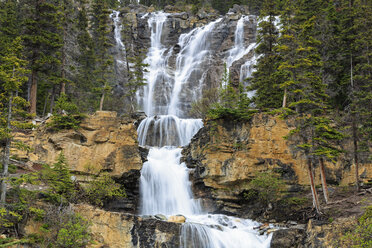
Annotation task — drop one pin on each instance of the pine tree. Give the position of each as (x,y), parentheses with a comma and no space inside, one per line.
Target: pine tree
(306,91)
(102,43)
(85,79)
(12,76)
(266,79)
(42,42)
(136,78)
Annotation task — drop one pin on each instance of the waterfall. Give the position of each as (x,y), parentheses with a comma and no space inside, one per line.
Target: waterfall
(194,50)
(167,130)
(156,60)
(165,187)
(240,50)
(120,48)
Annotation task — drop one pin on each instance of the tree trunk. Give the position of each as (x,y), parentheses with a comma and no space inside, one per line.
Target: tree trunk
(63,65)
(324,182)
(356,162)
(101,102)
(52,98)
(46,103)
(6,153)
(33,93)
(354,127)
(312,185)
(284,98)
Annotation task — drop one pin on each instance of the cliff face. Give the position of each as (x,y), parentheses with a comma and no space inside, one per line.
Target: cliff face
(227,155)
(104,142)
(121,230)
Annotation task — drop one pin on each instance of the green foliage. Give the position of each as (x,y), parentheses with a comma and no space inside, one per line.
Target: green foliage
(58,178)
(267,187)
(102,189)
(66,115)
(8,218)
(297,201)
(37,213)
(200,108)
(232,103)
(360,236)
(74,233)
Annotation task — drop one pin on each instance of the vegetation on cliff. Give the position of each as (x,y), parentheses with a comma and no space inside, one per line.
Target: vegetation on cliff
(44,198)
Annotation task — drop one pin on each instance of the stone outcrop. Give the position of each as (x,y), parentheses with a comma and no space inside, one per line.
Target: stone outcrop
(105,142)
(121,230)
(226,155)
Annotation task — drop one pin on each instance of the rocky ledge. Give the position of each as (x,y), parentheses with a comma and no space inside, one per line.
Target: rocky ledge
(226,155)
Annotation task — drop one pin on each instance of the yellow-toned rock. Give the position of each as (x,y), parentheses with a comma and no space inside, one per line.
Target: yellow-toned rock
(229,154)
(177,219)
(104,142)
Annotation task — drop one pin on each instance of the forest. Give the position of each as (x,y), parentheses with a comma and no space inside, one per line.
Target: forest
(314,68)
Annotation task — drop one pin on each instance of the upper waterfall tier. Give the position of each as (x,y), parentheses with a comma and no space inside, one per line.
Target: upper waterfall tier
(184,61)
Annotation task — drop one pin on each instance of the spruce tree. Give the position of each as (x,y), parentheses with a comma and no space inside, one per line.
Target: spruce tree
(266,79)
(12,77)
(102,43)
(42,42)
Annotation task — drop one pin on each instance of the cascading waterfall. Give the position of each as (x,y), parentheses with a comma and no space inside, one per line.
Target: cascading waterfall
(240,50)
(157,65)
(194,49)
(164,184)
(120,56)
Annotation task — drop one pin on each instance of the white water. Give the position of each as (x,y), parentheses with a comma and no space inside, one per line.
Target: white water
(167,130)
(157,64)
(194,49)
(165,187)
(119,58)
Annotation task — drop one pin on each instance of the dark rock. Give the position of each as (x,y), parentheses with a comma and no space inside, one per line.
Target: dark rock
(144,151)
(129,204)
(287,238)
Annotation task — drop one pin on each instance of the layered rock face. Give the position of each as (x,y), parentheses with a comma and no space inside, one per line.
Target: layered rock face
(122,230)
(227,155)
(104,142)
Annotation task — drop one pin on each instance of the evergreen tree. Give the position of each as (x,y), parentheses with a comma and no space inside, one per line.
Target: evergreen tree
(302,66)
(12,76)
(102,43)
(42,42)
(85,79)
(136,78)
(266,79)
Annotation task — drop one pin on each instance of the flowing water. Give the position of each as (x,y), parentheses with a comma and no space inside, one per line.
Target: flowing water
(120,60)
(165,187)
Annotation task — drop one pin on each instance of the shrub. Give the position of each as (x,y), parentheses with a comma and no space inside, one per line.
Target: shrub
(361,235)
(74,233)
(58,178)
(267,187)
(102,189)
(66,115)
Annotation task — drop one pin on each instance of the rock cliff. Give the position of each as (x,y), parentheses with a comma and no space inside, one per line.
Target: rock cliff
(226,155)
(104,143)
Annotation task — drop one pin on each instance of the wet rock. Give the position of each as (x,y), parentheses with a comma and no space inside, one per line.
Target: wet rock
(177,219)
(161,217)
